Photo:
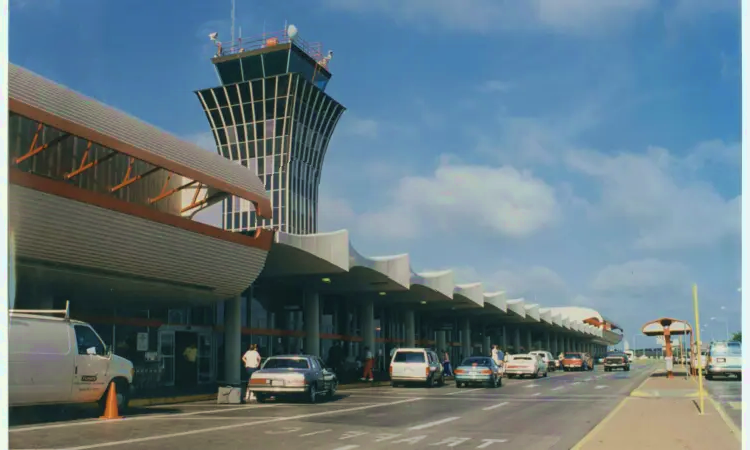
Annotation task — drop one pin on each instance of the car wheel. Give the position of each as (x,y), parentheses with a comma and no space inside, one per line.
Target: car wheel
(545,374)
(535,375)
(331,391)
(311,395)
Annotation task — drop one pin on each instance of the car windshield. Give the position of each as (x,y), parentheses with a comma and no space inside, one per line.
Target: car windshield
(409,357)
(286,363)
(484,362)
(727,349)
(572,356)
(616,355)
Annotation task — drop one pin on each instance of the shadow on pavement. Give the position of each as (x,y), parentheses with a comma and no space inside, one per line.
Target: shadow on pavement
(36,415)
(676,373)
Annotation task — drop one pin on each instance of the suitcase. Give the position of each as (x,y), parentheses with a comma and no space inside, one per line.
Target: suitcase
(229,395)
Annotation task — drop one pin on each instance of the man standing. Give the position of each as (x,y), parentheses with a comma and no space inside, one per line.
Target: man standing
(369,360)
(251,358)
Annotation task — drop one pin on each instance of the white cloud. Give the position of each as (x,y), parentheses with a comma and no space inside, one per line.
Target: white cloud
(351,125)
(486,16)
(334,213)
(643,192)
(502,200)
(639,277)
(536,283)
(204,140)
(496,86)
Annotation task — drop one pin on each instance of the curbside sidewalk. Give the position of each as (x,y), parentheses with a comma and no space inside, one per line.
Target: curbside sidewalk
(663,414)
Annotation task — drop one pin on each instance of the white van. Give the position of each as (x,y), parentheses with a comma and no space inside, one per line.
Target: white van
(724,358)
(56,360)
(416,365)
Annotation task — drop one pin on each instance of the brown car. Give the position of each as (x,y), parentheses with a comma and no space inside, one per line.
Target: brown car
(577,361)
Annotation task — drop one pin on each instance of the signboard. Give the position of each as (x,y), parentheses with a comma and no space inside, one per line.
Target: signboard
(142,342)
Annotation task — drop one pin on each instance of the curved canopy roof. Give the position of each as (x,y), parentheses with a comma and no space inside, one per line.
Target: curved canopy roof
(658,326)
(42,100)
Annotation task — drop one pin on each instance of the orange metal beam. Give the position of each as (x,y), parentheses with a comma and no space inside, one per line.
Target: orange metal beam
(198,203)
(33,150)
(85,167)
(166,193)
(127,182)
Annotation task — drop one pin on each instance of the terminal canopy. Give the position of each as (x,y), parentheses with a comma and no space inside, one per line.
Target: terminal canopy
(675,326)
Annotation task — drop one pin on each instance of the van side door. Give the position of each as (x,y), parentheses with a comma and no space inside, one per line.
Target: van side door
(92,364)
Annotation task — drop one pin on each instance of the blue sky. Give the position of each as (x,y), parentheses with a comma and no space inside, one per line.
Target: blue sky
(573,151)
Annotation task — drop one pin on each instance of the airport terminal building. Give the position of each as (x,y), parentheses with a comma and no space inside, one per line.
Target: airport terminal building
(102,206)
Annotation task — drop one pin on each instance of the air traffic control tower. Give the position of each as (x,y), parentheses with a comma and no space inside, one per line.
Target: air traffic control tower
(271,114)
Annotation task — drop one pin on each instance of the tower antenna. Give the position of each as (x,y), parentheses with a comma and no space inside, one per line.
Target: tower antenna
(233,6)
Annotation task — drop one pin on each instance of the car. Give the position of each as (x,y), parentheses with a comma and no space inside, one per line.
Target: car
(478,370)
(575,361)
(416,365)
(525,364)
(724,358)
(616,360)
(59,360)
(302,376)
(547,358)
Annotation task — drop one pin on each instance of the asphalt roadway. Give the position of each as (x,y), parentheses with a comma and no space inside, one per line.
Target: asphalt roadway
(547,413)
(727,391)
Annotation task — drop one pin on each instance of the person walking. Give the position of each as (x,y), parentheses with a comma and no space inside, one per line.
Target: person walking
(447,364)
(369,360)
(251,358)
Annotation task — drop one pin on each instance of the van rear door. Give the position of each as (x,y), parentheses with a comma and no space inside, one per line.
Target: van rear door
(409,364)
(92,361)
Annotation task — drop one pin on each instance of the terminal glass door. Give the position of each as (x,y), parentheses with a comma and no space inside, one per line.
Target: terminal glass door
(205,368)
(166,355)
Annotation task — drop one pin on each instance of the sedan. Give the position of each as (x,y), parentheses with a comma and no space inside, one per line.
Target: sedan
(526,364)
(478,370)
(293,376)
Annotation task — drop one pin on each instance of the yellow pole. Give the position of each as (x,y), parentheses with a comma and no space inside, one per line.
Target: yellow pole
(698,352)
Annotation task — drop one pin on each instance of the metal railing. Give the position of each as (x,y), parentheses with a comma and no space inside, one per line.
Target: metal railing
(240,45)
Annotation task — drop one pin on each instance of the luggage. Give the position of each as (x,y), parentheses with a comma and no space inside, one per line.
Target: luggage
(229,395)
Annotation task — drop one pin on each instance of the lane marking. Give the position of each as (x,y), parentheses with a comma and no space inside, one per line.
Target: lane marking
(464,391)
(600,387)
(315,432)
(347,447)
(432,424)
(728,420)
(130,419)
(495,406)
(537,394)
(531,386)
(231,427)
(558,388)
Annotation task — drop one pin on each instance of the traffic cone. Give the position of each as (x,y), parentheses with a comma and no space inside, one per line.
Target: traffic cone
(110,411)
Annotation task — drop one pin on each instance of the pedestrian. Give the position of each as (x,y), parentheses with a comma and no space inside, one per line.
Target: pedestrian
(447,364)
(369,360)
(251,358)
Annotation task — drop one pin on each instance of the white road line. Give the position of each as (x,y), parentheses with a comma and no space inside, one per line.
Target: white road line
(495,406)
(315,432)
(463,391)
(432,424)
(600,387)
(347,447)
(230,427)
(531,386)
(130,419)
(538,393)
(558,388)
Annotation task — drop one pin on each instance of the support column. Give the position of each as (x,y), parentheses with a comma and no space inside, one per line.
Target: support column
(367,319)
(548,345)
(486,347)
(312,323)
(440,342)
(505,340)
(232,341)
(517,340)
(409,326)
(529,341)
(466,338)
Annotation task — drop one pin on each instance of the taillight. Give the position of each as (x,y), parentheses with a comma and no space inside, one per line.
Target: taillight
(459,371)
(486,372)
(257,380)
(390,370)
(427,371)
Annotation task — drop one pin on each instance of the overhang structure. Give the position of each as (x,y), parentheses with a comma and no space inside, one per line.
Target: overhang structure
(101,202)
